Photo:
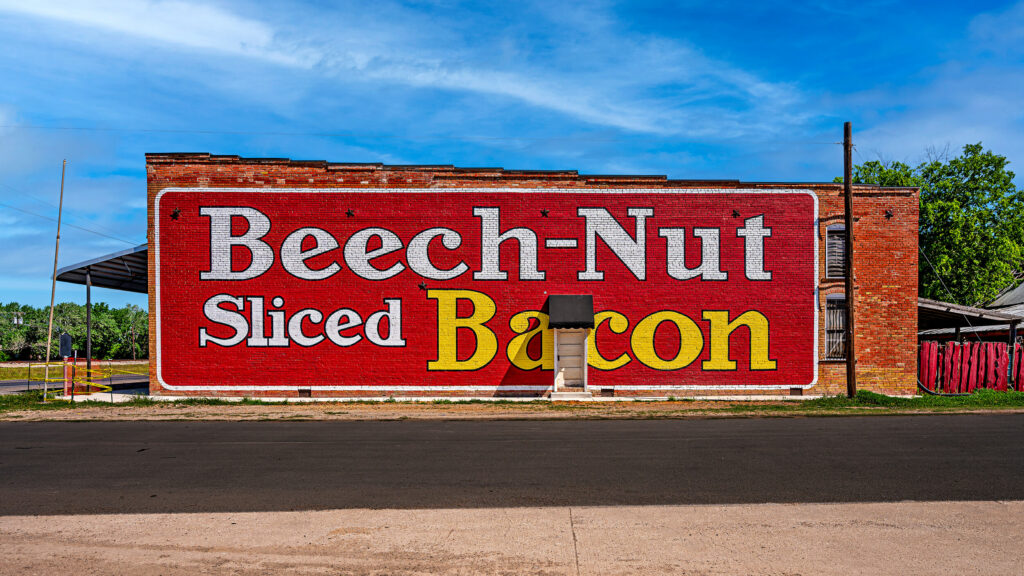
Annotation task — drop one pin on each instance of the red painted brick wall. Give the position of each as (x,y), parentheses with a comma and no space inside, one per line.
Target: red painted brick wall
(885,249)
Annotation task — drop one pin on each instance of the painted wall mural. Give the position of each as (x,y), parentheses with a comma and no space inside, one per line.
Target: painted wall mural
(437,290)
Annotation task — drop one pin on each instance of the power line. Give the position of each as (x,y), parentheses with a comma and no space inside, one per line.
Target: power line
(82,228)
(29,194)
(946,288)
(355,134)
(48,203)
(349,133)
(857,152)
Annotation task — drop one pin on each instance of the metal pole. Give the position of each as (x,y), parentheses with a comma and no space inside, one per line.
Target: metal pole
(88,322)
(53,286)
(851,349)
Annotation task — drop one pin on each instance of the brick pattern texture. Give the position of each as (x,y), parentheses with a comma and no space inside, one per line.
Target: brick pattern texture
(885,248)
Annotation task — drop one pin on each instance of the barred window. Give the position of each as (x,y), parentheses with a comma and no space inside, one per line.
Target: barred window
(835,251)
(835,327)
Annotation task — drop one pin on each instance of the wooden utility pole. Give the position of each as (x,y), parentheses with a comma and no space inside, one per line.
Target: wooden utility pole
(53,285)
(851,350)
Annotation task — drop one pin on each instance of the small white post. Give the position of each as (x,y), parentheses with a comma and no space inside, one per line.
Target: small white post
(554,385)
(586,350)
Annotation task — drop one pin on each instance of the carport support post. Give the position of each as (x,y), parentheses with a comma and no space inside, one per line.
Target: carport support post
(88,322)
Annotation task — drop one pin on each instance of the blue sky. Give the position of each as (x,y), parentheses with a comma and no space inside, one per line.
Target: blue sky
(756,91)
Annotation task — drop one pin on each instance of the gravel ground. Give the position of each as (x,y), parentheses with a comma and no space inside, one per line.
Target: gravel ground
(87,411)
(375,411)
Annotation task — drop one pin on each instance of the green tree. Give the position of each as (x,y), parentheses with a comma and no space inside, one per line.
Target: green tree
(116,332)
(132,337)
(14,335)
(971,223)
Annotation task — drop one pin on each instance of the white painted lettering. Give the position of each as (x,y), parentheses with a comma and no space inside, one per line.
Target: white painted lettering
(222,242)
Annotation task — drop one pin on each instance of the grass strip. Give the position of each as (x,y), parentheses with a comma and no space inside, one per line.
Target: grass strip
(99,366)
(864,402)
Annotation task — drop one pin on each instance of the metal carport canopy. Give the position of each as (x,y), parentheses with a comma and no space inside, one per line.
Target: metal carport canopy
(125,270)
(932,314)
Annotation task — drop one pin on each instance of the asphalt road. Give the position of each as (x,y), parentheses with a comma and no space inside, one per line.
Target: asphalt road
(19,386)
(120,467)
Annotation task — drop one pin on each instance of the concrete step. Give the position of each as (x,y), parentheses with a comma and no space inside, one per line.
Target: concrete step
(571,395)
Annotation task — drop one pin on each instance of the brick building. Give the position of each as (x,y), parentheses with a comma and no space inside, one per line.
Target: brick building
(274,277)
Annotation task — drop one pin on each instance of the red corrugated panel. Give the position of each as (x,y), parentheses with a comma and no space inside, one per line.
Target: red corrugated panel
(975,365)
(992,365)
(1003,365)
(965,367)
(954,376)
(922,366)
(1018,369)
(982,365)
(983,362)
(933,363)
(947,366)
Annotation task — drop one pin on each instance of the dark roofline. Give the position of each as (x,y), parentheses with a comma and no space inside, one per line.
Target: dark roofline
(955,311)
(101,259)
(124,270)
(1012,295)
(206,158)
(988,328)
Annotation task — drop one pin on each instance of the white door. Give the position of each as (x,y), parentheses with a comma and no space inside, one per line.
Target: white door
(570,359)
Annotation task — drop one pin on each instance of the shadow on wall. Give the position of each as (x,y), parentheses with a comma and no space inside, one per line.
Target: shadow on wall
(533,348)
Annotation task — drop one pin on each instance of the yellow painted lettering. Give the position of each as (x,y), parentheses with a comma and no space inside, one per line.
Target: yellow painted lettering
(618,324)
(721,329)
(691,341)
(517,348)
(449,322)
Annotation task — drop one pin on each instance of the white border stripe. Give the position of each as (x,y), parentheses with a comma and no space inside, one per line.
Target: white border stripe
(427,388)
(561,242)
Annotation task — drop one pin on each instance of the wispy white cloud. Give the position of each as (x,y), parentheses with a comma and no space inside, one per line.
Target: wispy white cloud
(956,107)
(648,85)
(1001,31)
(970,98)
(188,24)
(11,232)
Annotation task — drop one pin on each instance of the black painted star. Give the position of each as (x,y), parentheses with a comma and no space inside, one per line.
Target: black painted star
(544,213)
(423,285)
(350,213)
(176,213)
(735,214)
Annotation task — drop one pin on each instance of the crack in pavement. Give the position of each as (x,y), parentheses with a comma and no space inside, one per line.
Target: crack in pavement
(575,546)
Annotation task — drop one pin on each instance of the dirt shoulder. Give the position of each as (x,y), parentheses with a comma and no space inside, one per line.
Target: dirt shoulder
(375,411)
(356,411)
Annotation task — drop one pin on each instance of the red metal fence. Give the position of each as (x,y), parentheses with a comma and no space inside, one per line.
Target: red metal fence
(955,368)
